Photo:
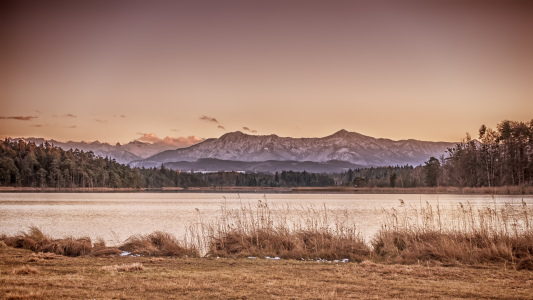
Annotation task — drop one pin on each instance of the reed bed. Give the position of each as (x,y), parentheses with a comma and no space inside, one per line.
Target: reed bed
(260,231)
(37,241)
(156,244)
(460,234)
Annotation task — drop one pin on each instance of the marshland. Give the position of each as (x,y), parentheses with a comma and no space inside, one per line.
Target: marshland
(257,246)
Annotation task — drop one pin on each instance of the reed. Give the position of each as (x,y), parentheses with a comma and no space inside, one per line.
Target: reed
(260,231)
(156,244)
(461,234)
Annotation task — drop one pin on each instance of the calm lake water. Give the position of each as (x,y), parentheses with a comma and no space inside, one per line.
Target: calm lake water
(116,216)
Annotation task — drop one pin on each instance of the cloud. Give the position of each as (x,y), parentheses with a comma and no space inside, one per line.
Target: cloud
(20,118)
(37,125)
(221,127)
(101,121)
(71,116)
(149,138)
(182,141)
(174,130)
(209,119)
(249,130)
(73,126)
(179,142)
(119,116)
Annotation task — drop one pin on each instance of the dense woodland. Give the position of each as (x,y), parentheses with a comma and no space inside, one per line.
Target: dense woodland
(500,157)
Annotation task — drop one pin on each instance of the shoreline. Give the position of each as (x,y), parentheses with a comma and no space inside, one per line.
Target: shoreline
(504,190)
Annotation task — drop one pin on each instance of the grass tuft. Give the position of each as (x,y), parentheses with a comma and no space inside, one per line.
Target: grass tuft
(105,251)
(25,270)
(124,268)
(156,244)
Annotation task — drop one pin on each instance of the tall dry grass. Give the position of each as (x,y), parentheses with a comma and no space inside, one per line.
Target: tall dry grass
(37,241)
(460,234)
(156,243)
(259,230)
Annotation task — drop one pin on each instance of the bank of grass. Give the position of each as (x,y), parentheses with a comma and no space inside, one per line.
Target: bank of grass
(459,235)
(114,277)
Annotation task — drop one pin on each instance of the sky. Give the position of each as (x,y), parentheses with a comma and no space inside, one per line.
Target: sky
(182,71)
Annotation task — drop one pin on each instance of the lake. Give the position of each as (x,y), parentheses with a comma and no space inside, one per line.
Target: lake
(116,216)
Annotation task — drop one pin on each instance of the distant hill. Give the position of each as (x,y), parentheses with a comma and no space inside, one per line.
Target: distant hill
(270,152)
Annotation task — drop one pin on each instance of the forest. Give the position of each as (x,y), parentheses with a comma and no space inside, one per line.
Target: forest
(499,157)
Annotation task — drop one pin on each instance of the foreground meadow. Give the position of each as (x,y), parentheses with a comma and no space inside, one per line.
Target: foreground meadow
(26,275)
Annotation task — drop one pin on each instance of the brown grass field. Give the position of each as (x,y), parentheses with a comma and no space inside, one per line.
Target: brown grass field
(25,275)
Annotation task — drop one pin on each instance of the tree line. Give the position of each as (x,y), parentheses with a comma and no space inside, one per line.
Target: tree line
(24,164)
(500,157)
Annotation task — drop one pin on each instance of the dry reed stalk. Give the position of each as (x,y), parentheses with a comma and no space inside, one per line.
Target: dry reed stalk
(259,231)
(156,244)
(498,234)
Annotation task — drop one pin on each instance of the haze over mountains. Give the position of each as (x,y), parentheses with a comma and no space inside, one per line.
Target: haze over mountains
(237,151)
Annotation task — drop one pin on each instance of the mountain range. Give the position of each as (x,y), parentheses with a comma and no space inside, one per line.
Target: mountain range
(337,152)
(237,151)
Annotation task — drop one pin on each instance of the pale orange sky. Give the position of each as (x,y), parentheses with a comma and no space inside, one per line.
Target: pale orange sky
(116,71)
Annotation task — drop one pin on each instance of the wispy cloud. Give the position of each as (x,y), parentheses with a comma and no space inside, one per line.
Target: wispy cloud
(221,127)
(175,130)
(20,118)
(37,125)
(73,126)
(119,116)
(249,130)
(101,121)
(179,142)
(71,116)
(209,119)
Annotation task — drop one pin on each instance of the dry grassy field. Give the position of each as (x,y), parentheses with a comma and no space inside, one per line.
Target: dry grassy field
(26,275)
